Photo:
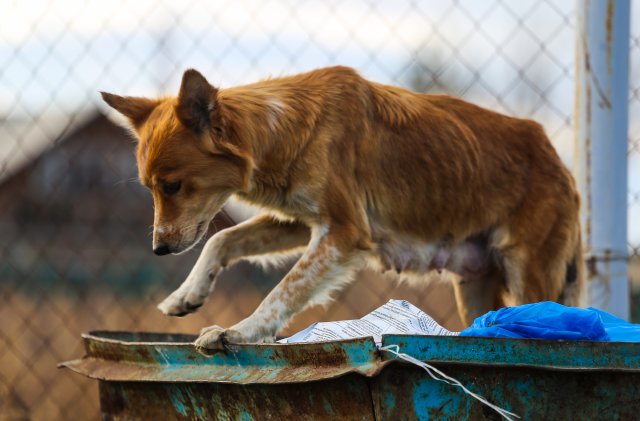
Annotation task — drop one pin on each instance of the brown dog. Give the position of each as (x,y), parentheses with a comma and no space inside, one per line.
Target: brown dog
(354,173)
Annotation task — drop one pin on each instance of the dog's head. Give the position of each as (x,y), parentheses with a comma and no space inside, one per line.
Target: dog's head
(187,158)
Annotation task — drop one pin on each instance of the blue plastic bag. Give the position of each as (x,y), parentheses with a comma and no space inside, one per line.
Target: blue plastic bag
(548,320)
(618,329)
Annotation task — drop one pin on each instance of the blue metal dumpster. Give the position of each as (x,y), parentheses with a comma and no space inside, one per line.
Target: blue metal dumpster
(161,376)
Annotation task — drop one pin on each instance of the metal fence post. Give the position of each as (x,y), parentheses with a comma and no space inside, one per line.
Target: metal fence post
(601,126)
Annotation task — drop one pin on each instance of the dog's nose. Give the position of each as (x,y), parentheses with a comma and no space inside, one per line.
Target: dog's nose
(161,250)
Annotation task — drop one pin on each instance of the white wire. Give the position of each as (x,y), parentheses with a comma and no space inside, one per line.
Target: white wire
(432,371)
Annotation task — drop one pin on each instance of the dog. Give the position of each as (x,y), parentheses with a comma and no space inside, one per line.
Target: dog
(352,173)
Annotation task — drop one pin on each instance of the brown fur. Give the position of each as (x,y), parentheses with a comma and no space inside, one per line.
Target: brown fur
(375,172)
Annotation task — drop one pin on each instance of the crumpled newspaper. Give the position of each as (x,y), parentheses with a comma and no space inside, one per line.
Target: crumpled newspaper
(394,317)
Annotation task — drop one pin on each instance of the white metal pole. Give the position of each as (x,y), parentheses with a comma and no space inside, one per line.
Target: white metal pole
(601,127)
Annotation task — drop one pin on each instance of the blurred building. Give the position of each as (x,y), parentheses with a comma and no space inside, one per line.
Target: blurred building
(74,212)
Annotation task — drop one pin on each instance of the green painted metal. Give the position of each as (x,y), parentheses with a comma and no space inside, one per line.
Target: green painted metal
(159,376)
(149,357)
(534,353)
(533,394)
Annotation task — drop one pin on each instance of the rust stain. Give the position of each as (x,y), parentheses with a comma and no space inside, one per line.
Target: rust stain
(347,398)
(588,198)
(585,61)
(592,267)
(587,146)
(314,357)
(590,75)
(609,29)
(606,258)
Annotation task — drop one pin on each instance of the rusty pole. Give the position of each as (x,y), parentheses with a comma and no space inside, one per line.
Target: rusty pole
(601,126)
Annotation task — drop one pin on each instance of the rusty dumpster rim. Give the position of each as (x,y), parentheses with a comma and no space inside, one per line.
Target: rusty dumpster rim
(117,359)
(118,356)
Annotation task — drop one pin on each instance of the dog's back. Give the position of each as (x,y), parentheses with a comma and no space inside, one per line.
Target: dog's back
(433,171)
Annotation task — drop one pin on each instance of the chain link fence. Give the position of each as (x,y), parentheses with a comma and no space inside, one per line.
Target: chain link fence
(75,246)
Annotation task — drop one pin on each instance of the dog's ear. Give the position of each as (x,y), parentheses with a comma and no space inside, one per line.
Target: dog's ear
(197,106)
(135,109)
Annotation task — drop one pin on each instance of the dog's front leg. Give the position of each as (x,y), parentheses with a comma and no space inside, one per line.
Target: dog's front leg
(257,236)
(326,265)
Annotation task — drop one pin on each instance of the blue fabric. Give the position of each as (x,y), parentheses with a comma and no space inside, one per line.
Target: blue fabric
(548,320)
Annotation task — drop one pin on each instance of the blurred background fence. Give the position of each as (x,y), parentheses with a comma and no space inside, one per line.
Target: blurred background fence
(75,249)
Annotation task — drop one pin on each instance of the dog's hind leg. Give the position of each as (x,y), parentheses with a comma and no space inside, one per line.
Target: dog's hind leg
(477,294)
(541,254)
(258,236)
(326,265)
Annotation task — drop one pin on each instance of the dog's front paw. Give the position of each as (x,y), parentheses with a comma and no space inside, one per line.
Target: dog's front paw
(214,338)
(190,296)
(178,306)
(181,303)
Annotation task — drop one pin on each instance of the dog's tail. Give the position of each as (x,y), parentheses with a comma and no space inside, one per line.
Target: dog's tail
(573,291)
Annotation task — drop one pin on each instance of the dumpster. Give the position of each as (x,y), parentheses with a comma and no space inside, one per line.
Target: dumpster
(162,376)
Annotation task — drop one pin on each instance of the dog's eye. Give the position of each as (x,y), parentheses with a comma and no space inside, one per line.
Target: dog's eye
(171,188)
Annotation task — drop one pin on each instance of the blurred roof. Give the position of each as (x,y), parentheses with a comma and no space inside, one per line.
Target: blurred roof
(24,140)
